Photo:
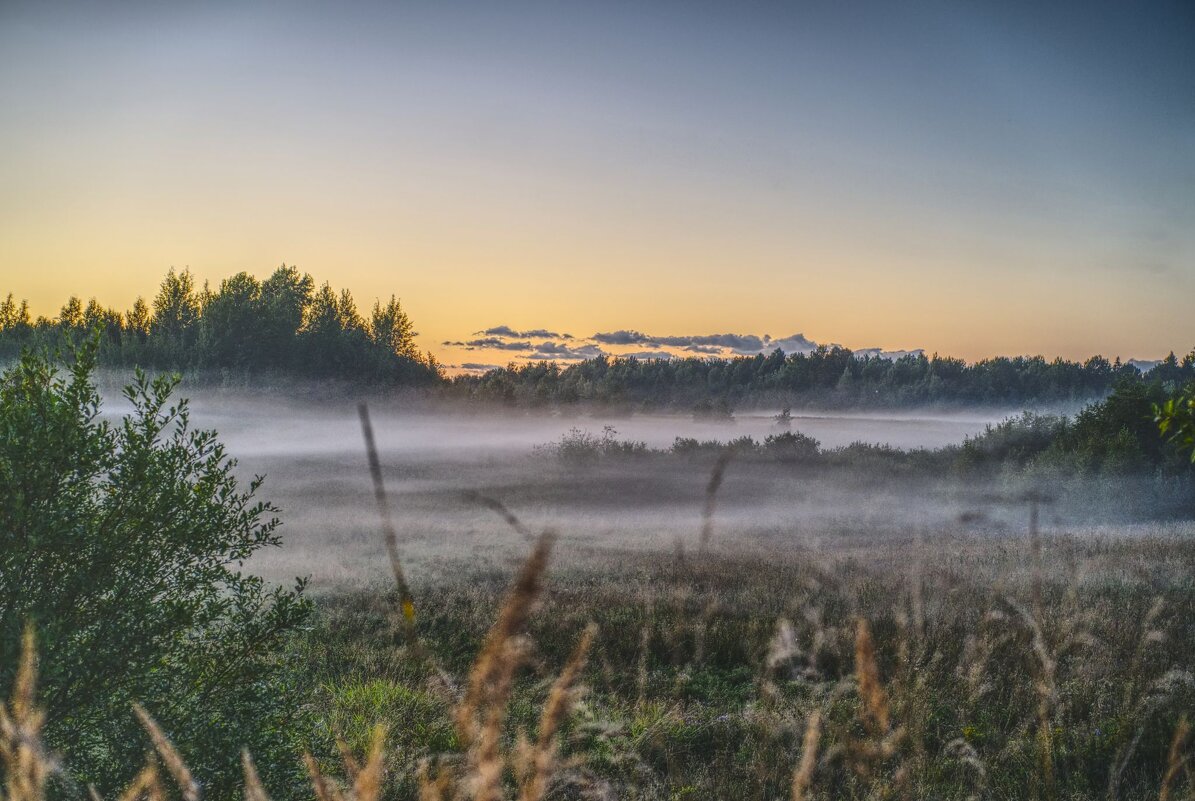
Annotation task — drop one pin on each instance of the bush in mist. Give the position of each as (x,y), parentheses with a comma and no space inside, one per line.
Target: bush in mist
(791,446)
(1016,441)
(580,447)
(122,543)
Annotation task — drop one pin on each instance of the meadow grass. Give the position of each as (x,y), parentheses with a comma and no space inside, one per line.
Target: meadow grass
(1051,666)
(941,670)
(948,669)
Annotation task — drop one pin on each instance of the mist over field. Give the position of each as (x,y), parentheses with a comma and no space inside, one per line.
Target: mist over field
(436,460)
(269,425)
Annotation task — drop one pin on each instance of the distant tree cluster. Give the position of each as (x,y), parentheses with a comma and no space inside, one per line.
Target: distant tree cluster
(1116,436)
(282,325)
(827,377)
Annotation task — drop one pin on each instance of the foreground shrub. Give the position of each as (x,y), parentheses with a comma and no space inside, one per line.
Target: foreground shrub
(1176,420)
(123,545)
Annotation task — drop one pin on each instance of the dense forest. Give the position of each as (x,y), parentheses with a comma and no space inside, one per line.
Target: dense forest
(250,332)
(824,378)
(247,330)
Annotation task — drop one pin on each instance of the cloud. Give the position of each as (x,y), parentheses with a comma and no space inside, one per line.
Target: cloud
(712,344)
(559,351)
(490,342)
(739,343)
(480,367)
(561,347)
(749,343)
(1145,365)
(547,349)
(794,343)
(500,331)
(621,338)
(505,331)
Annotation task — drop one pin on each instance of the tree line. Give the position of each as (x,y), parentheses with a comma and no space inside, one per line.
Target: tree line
(283,325)
(828,377)
(249,330)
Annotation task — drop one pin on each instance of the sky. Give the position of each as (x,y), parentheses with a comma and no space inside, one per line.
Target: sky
(973,179)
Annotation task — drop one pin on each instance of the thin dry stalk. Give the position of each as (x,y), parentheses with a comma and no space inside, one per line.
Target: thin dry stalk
(803,775)
(1035,555)
(500,509)
(782,648)
(1150,635)
(1177,759)
(874,701)
(433,789)
(783,645)
(496,662)
(187,785)
(700,629)
(352,768)
(367,783)
(486,756)
(711,497)
(254,790)
(966,754)
(917,588)
(1046,689)
(325,789)
(406,600)
(26,764)
(641,664)
(146,785)
(556,708)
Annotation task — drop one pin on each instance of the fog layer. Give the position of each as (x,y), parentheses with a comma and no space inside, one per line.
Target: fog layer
(437,464)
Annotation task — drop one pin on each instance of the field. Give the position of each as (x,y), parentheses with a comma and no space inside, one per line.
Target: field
(1009,658)
(542,606)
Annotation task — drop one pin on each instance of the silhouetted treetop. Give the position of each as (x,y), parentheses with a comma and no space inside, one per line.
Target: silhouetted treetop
(282,325)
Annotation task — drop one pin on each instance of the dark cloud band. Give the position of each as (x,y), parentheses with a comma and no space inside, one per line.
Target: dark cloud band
(506,332)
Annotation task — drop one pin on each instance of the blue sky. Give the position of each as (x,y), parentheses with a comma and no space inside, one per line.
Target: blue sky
(961,177)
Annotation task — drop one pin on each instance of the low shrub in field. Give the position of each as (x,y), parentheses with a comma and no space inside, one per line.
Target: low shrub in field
(580,447)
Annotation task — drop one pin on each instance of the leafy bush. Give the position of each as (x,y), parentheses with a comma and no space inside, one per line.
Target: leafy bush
(792,446)
(1017,440)
(690,446)
(1176,420)
(578,446)
(1117,436)
(123,544)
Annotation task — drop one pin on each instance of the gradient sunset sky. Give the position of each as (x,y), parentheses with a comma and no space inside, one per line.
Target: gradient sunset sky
(968,178)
